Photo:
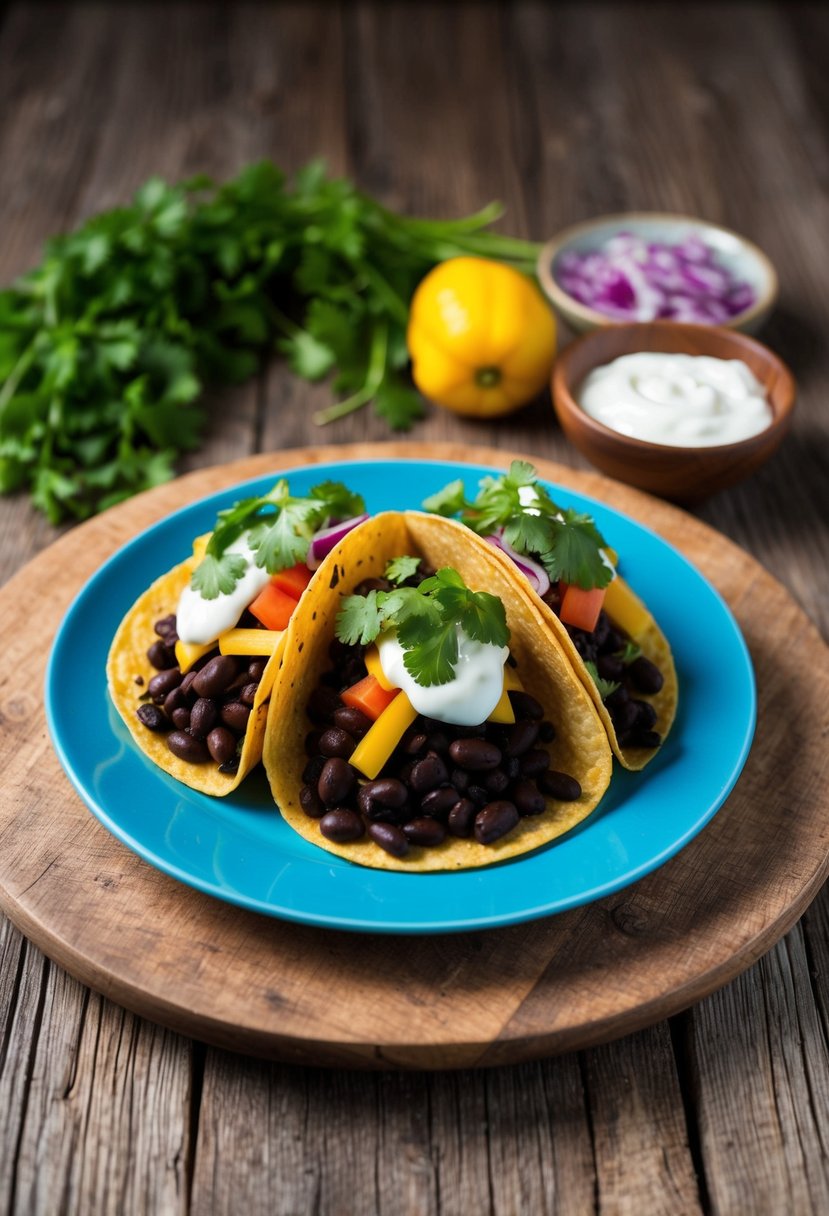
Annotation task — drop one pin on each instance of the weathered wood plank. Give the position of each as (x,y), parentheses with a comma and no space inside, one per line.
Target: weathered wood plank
(643,1159)
(758,1059)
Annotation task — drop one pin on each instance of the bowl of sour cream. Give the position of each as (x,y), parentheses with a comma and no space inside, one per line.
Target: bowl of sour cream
(677,409)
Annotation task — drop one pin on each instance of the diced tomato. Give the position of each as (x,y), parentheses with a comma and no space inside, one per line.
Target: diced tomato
(294,580)
(273,607)
(581,608)
(369,696)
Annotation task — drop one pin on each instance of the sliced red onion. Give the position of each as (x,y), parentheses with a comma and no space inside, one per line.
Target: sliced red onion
(326,539)
(536,575)
(631,279)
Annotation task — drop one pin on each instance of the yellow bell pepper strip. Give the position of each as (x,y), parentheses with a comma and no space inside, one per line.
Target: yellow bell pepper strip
(374,667)
(512,680)
(249,642)
(481,337)
(625,609)
(503,711)
(375,747)
(188,653)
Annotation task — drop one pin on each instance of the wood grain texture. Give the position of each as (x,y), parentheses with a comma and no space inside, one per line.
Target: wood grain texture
(642,953)
(536,104)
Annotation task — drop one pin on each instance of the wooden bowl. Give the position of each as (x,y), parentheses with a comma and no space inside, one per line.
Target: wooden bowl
(682,474)
(739,256)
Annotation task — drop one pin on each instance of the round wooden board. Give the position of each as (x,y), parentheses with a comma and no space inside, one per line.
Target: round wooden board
(253,984)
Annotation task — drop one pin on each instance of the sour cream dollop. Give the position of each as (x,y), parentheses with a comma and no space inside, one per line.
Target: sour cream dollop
(678,400)
(465,701)
(199,621)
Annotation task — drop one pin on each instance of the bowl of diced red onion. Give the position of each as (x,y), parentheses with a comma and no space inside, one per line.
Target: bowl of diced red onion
(649,266)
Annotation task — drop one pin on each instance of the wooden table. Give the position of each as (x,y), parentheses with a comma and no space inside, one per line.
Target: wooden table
(561,112)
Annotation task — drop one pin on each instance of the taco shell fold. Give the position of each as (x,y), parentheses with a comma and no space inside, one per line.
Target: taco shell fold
(580,748)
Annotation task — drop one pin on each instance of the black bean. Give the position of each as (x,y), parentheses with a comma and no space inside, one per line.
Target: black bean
(164,682)
(645,715)
(475,755)
(512,767)
(186,747)
(478,795)
(438,741)
(560,786)
(414,743)
(311,802)
(495,782)
(181,718)
(235,715)
(428,773)
(248,693)
(623,715)
(534,762)
(256,668)
(165,626)
(424,831)
(462,817)
(528,798)
(161,656)
(646,675)
(389,838)
(494,821)
(646,738)
(312,770)
(460,779)
(152,717)
(203,717)
(438,803)
(372,584)
(525,706)
(602,631)
(221,744)
(312,742)
(322,703)
(215,676)
(336,742)
(613,640)
(186,684)
(546,732)
(522,737)
(610,667)
(388,791)
(231,765)
(342,825)
(174,700)
(347,718)
(336,781)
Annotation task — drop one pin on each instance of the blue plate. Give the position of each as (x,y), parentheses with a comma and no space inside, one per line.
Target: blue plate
(238,849)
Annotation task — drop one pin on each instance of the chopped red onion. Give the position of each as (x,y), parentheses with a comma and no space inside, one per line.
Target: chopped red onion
(631,279)
(535,574)
(325,540)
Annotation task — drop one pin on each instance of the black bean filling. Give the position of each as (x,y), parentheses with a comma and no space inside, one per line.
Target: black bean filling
(633,719)
(441,780)
(205,712)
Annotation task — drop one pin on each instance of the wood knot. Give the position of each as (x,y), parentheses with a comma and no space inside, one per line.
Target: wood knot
(629,918)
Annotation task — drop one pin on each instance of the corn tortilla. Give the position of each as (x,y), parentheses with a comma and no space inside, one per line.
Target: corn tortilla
(128,660)
(580,747)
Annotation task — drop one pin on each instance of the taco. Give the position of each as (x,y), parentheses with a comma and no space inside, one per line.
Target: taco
(559,561)
(425,719)
(191,667)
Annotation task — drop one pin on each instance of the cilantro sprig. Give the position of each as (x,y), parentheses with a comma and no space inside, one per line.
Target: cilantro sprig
(108,344)
(279,526)
(566,542)
(426,619)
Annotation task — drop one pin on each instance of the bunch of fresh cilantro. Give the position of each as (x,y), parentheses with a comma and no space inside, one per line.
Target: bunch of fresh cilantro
(106,346)
(566,542)
(426,619)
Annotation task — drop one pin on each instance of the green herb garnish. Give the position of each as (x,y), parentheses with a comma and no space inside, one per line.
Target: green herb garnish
(279,527)
(605,687)
(107,345)
(629,652)
(566,542)
(425,619)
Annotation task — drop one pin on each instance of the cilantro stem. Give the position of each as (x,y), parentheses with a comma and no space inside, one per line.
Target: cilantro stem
(17,373)
(374,378)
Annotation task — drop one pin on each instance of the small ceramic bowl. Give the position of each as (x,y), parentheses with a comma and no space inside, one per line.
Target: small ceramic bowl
(740,257)
(683,474)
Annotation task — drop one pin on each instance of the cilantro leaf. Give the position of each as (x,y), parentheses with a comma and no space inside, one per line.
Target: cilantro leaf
(216,576)
(575,555)
(630,651)
(434,659)
(401,568)
(358,620)
(449,501)
(337,501)
(284,542)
